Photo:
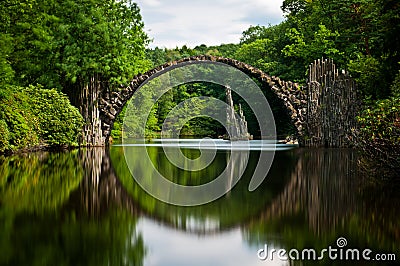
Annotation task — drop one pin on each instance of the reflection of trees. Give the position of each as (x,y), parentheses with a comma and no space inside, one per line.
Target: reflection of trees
(54,240)
(324,200)
(38,182)
(321,187)
(52,226)
(380,211)
(309,200)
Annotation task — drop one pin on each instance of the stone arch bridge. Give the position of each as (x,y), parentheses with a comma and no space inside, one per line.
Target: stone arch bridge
(322,111)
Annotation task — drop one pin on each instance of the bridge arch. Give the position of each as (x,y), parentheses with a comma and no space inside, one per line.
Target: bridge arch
(292,95)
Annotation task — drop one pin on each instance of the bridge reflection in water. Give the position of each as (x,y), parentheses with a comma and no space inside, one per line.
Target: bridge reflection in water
(318,183)
(309,199)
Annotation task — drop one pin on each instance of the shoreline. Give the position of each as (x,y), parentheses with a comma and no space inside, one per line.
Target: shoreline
(40,148)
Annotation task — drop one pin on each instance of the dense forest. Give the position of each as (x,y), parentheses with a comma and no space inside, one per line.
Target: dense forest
(70,47)
(53,49)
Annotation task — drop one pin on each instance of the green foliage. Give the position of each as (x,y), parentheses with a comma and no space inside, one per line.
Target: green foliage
(116,133)
(59,123)
(159,56)
(379,138)
(6,71)
(395,88)
(224,50)
(321,44)
(159,111)
(262,47)
(67,45)
(35,116)
(31,183)
(260,54)
(381,121)
(354,33)
(367,72)
(106,38)
(4,136)
(56,43)
(21,122)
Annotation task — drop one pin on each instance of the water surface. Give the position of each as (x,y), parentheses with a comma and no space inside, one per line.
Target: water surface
(83,207)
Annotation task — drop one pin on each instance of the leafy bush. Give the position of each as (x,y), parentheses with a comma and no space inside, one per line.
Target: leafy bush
(379,138)
(22,124)
(34,116)
(367,72)
(59,122)
(4,136)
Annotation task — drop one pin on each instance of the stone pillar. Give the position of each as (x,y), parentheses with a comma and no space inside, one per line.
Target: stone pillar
(332,106)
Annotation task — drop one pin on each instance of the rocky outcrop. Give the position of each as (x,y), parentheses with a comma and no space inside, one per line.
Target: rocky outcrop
(237,124)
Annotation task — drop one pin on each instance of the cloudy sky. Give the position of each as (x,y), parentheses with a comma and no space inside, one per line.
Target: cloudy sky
(172,23)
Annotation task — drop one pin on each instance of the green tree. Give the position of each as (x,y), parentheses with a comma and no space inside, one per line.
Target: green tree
(6,71)
(262,47)
(259,53)
(358,37)
(83,47)
(305,50)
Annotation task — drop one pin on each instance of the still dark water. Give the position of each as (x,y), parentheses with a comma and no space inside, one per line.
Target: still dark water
(83,208)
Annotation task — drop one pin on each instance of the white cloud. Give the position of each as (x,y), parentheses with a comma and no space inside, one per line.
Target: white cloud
(152,3)
(172,23)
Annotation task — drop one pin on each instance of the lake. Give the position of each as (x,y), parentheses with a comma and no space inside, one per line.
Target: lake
(82,207)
